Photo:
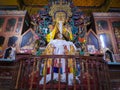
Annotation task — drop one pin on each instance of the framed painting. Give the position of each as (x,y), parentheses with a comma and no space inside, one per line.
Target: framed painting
(1,23)
(102,25)
(10,25)
(27,42)
(92,39)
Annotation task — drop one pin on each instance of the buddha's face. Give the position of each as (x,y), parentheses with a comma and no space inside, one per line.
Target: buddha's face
(60,16)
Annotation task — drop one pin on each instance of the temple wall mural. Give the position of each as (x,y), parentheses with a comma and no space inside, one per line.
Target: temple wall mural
(11,29)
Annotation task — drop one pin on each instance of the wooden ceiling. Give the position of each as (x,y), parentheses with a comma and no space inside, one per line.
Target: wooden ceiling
(32,6)
(113,3)
(76,2)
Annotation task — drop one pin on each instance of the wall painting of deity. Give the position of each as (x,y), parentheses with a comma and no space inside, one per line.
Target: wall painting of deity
(102,25)
(1,23)
(10,25)
(27,42)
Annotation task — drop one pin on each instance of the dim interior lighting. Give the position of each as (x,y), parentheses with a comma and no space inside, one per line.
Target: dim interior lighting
(102,41)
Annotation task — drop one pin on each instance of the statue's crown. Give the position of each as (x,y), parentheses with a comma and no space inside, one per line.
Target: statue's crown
(60,6)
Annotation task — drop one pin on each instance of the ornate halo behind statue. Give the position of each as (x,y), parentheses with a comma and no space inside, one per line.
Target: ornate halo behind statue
(60,7)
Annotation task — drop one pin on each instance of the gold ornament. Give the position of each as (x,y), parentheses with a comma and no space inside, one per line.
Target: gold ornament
(60,7)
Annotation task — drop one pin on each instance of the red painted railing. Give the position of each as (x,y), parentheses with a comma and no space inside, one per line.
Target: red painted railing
(87,73)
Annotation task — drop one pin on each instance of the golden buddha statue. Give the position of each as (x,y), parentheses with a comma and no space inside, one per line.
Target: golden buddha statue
(60,15)
(60,28)
(59,39)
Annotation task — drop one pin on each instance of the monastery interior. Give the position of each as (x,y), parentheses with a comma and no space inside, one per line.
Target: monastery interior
(59,44)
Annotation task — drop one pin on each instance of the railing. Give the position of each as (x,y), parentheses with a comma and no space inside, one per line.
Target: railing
(79,73)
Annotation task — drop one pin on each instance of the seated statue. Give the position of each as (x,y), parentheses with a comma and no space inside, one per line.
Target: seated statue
(59,39)
(59,43)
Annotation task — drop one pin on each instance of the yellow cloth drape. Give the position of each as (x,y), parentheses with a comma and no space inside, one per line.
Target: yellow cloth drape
(51,35)
(70,33)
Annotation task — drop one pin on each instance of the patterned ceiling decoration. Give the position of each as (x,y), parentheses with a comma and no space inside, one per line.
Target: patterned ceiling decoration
(88,2)
(76,2)
(8,2)
(32,6)
(113,3)
(35,2)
